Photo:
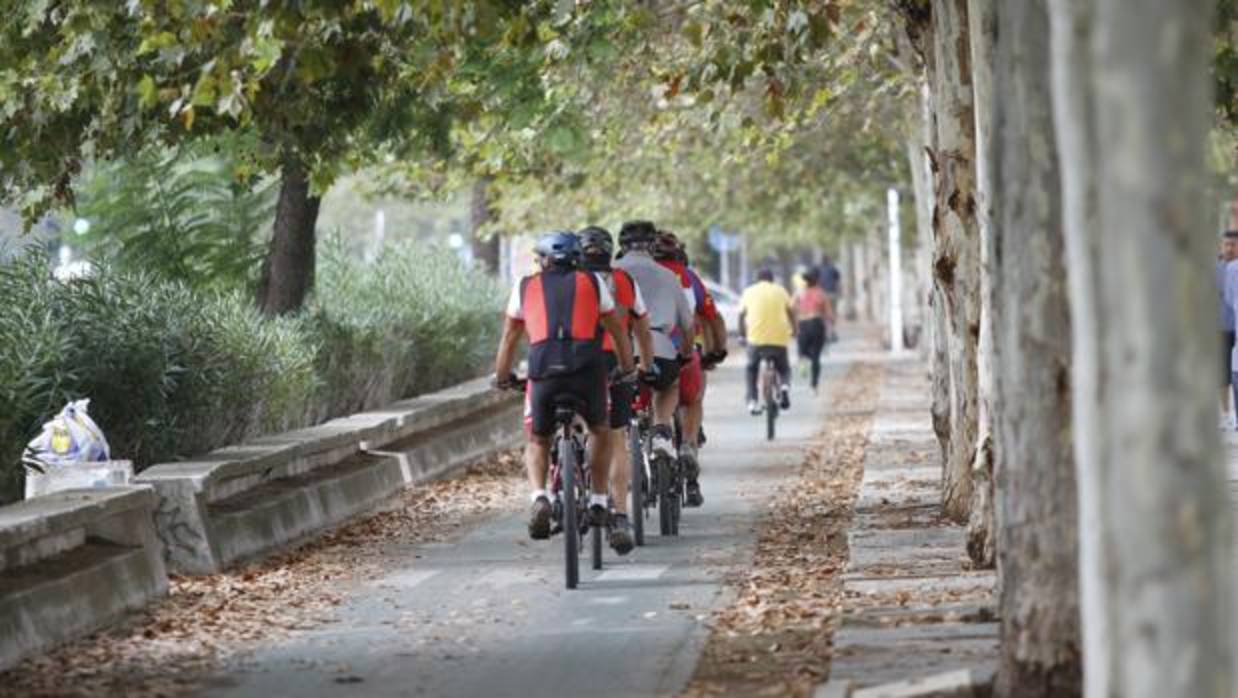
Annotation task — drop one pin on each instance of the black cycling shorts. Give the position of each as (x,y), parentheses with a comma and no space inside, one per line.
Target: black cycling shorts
(586,388)
(668,373)
(621,397)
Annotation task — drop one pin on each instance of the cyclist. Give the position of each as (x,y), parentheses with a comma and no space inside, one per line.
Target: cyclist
(564,311)
(598,247)
(816,315)
(767,322)
(711,331)
(670,321)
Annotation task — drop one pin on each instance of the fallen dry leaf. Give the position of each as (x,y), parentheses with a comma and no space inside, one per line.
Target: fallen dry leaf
(168,648)
(776,637)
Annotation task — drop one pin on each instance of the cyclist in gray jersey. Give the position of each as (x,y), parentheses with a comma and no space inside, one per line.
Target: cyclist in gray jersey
(671,321)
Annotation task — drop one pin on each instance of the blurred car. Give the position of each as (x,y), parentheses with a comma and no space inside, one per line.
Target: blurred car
(727,302)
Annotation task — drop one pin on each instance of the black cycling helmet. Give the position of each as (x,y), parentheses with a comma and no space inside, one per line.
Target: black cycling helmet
(597,247)
(667,247)
(637,233)
(560,248)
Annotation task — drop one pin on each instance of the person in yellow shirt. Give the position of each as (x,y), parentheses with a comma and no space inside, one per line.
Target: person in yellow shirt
(767,324)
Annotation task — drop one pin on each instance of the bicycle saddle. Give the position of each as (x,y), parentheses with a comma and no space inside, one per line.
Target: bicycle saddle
(567,406)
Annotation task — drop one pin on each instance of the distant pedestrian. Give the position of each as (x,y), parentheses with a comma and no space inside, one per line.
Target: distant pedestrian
(831,280)
(1227,285)
(815,315)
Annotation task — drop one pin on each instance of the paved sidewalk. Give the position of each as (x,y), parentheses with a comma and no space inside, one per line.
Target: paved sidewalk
(913,610)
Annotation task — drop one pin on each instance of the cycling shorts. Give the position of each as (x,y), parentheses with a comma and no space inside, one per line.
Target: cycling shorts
(586,388)
(668,373)
(621,397)
(691,381)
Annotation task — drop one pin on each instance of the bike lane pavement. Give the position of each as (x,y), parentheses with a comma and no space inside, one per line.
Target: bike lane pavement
(488,614)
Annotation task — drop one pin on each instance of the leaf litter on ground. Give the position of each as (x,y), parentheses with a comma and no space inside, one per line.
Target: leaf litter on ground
(173,646)
(775,637)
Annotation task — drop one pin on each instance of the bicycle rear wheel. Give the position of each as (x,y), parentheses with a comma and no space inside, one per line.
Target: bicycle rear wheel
(596,535)
(666,498)
(636,486)
(677,494)
(771,417)
(571,527)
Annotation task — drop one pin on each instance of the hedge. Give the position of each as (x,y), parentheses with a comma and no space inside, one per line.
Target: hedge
(173,372)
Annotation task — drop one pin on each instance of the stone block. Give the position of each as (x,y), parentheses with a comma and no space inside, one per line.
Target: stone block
(244,501)
(74,562)
(961,683)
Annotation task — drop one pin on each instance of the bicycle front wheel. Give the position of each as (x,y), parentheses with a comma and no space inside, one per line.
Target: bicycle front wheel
(571,527)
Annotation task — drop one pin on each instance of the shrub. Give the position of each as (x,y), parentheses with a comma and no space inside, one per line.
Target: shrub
(183,213)
(169,371)
(412,321)
(173,371)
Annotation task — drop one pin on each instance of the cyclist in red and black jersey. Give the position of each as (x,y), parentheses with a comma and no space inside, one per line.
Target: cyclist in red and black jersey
(669,251)
(564,311)
(599,247)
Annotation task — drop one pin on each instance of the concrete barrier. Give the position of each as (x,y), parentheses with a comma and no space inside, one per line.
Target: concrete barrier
(244,501)
(73,562)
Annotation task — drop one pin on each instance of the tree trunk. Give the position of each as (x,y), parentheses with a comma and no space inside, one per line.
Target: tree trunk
(876,278)
(956,263)
(981,534)
(1037,529)
(485,246)
(288,270)
(1132,107)
(922,188)
(859,271)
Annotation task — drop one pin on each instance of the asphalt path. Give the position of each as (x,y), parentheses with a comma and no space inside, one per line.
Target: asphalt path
(488,615)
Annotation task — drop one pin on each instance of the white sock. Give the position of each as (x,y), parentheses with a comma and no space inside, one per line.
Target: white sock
(539,494)
(598,500)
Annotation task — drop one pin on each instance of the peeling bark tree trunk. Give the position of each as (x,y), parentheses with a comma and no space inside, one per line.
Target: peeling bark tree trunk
(486,251)
(859,269)
(1037,523)
(981,534)
(922,187)
(956,264)
(876,279)
(1132,107)
(288,270)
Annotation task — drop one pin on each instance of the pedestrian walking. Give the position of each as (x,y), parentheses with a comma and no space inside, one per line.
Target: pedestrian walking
(1227,287)
(831,282)
(815,314)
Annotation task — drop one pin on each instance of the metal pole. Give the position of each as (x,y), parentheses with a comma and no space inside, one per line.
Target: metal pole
(896,275)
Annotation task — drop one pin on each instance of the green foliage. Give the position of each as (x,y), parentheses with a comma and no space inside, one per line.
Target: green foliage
(413,320)
(327,84)
(169,371)
(779,118)
(1225,63)
(184,216)
(173,371)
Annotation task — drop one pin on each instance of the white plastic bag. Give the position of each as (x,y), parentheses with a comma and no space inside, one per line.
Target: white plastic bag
(71,437)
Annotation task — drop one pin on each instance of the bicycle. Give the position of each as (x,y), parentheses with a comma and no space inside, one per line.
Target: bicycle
(569,479)
(655,481)
(771,389)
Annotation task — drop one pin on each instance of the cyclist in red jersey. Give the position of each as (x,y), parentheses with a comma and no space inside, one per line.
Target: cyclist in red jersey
(565,312)
(670,253)
(598,246)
